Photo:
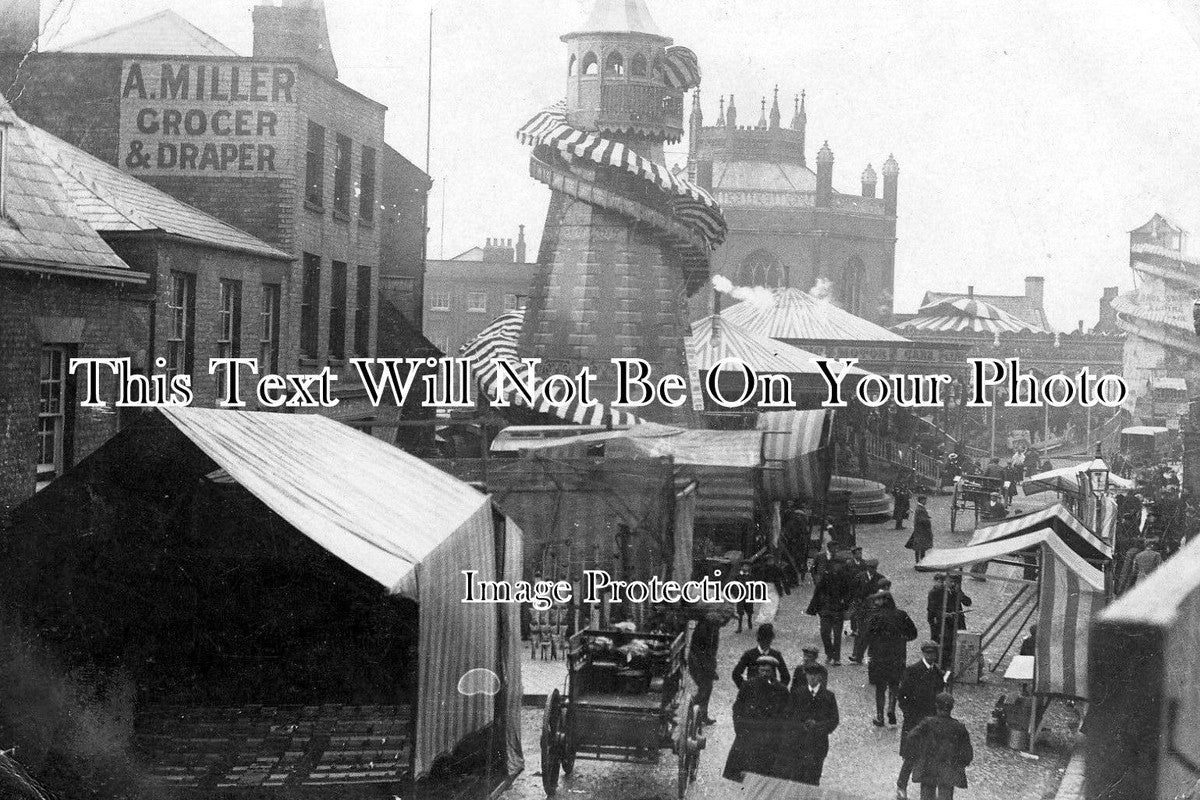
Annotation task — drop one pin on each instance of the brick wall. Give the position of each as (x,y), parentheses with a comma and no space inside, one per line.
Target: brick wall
(114,323)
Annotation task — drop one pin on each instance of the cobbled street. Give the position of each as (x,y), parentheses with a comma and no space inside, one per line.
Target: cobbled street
(863,760)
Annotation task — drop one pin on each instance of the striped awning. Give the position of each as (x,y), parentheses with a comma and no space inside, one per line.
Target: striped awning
(693,206)
(1054,518)
(1070,592)
(498,342)
(1066,480)
(796,314)
(966,314)
(795,454)
(714,338)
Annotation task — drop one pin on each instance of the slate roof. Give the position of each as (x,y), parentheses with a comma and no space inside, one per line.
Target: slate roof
(112,201)
(41,227)
(1019,305)
(164,32)
(764,176)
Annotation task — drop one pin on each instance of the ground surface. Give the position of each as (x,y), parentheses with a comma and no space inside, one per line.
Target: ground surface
(863,759)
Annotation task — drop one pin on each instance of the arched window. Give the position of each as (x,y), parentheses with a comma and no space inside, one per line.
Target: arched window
(571,67)
(762,268)
(656,71)
(615,64)
(850,290)
(637,66)
(591,64)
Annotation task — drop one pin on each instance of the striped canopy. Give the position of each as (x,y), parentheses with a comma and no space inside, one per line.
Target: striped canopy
(1054,517)
(682,68)
(498,342)
(1065,480)
(966,314)
(691,205)
(796,314)
(714,337)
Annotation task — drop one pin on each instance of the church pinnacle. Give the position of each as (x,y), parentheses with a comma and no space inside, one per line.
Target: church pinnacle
(775,110)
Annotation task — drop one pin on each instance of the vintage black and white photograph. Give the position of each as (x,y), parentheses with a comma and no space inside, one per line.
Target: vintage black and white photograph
(599,399)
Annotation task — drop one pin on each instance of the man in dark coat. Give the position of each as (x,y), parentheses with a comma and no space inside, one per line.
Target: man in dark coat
(940,751)
(811,715)
(757,714)
(921,540)
(702,660)
(825,560)
(830,598)
(901,506)
(864,585)
(919,688)
(765,637)
(887,634)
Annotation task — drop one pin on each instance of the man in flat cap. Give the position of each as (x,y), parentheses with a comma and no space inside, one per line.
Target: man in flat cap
(765,637)
(757,716)
(940,751)
(886,635)
(865,583)
(811,715)
(919,689)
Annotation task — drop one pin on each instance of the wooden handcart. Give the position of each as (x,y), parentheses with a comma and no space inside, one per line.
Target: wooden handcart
(973,492)
(624,701)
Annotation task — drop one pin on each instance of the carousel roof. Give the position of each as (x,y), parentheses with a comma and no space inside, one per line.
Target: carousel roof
(796,314)
(714,338)
(966,314)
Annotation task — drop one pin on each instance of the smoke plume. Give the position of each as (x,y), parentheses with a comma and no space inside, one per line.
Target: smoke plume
(758,295)
(822,290)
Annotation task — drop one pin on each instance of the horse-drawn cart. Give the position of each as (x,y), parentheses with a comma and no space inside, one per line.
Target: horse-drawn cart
(624,702)
(973,492)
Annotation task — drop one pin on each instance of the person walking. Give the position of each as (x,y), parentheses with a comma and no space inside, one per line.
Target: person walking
(864,585)
(811,715)
(828,603)
(1145,562)
(919,688)
(887,634)
(702,660)
(757,714)
(921,539)
(901,506)
(765,638)
(940,751)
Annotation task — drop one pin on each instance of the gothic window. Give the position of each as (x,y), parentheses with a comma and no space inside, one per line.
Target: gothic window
(762,268)
(851,288)
(637,66)
(615,65)
(591,64)
(571,67)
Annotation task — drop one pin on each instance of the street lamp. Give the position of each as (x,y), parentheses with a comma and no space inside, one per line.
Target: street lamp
(1097,475)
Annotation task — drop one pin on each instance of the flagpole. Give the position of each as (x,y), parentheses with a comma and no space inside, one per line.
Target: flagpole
(429,95)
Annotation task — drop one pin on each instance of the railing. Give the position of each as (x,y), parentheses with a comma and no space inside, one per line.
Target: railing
(924,466)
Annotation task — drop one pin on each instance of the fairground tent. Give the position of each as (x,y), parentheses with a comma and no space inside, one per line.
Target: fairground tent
(785,459)
(401,522)
(1066,480)
(1073,533)
(1070,591)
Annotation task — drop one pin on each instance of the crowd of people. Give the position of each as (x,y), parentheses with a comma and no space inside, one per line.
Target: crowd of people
(783,717)
(1153,522)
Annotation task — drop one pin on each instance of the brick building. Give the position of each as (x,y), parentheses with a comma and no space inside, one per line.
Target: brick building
(788,226)
(64,293)
(404,192)
(273,144)
(465,293)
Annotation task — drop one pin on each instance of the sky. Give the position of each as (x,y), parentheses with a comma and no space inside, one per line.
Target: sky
(1031,136)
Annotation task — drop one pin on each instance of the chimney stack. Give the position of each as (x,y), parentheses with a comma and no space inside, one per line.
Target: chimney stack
(519,253)
(1035,287)
(971,291)
(295,31)
(20,22)
(869,181)
(824,175)
(498,250)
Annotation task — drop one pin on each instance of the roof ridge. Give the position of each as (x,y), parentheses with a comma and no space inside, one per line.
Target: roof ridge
(166,13)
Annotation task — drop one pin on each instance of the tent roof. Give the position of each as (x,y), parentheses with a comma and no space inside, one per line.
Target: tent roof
(796,314)
(377,508)
(691,447)
(1054,517)
(957,557)
(1066,479)
(1164,595)
(714,338)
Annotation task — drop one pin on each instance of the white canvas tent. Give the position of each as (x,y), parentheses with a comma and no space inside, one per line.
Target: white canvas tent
(1055,517)
(401,522)
(1065,480)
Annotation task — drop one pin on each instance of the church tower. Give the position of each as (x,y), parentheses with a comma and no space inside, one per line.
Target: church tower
(622,248)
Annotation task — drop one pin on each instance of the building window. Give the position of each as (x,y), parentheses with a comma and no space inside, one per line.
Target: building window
(341,174)
(181,309)
(477,301)
(229,326)
(314,165)
(510,302)
(362,312)
(268,337)
(762,268)
(337,311)
(615,65)
(851,289)
(637,66)
(52,415)
(571,67)
(310,298)
(366,186)
(591,64)
(439,299)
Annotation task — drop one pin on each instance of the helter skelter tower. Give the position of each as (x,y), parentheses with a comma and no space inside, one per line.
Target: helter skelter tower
(625,242)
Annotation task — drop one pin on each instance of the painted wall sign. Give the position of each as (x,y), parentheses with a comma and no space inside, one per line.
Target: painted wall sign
(195,118)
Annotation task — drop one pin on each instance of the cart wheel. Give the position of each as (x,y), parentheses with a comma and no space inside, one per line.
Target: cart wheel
(688,750)
(552,721)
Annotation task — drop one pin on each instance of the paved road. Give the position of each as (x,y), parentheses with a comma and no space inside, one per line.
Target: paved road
(863,759)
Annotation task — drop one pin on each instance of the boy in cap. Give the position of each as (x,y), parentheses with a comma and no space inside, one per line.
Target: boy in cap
(766,637)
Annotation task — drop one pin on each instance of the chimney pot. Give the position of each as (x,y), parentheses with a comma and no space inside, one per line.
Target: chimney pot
(970,291)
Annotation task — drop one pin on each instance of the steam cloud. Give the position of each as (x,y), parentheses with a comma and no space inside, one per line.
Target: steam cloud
(758,295)
(822,290)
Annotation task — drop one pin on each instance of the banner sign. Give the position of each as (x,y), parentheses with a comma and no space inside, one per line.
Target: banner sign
(229,118)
